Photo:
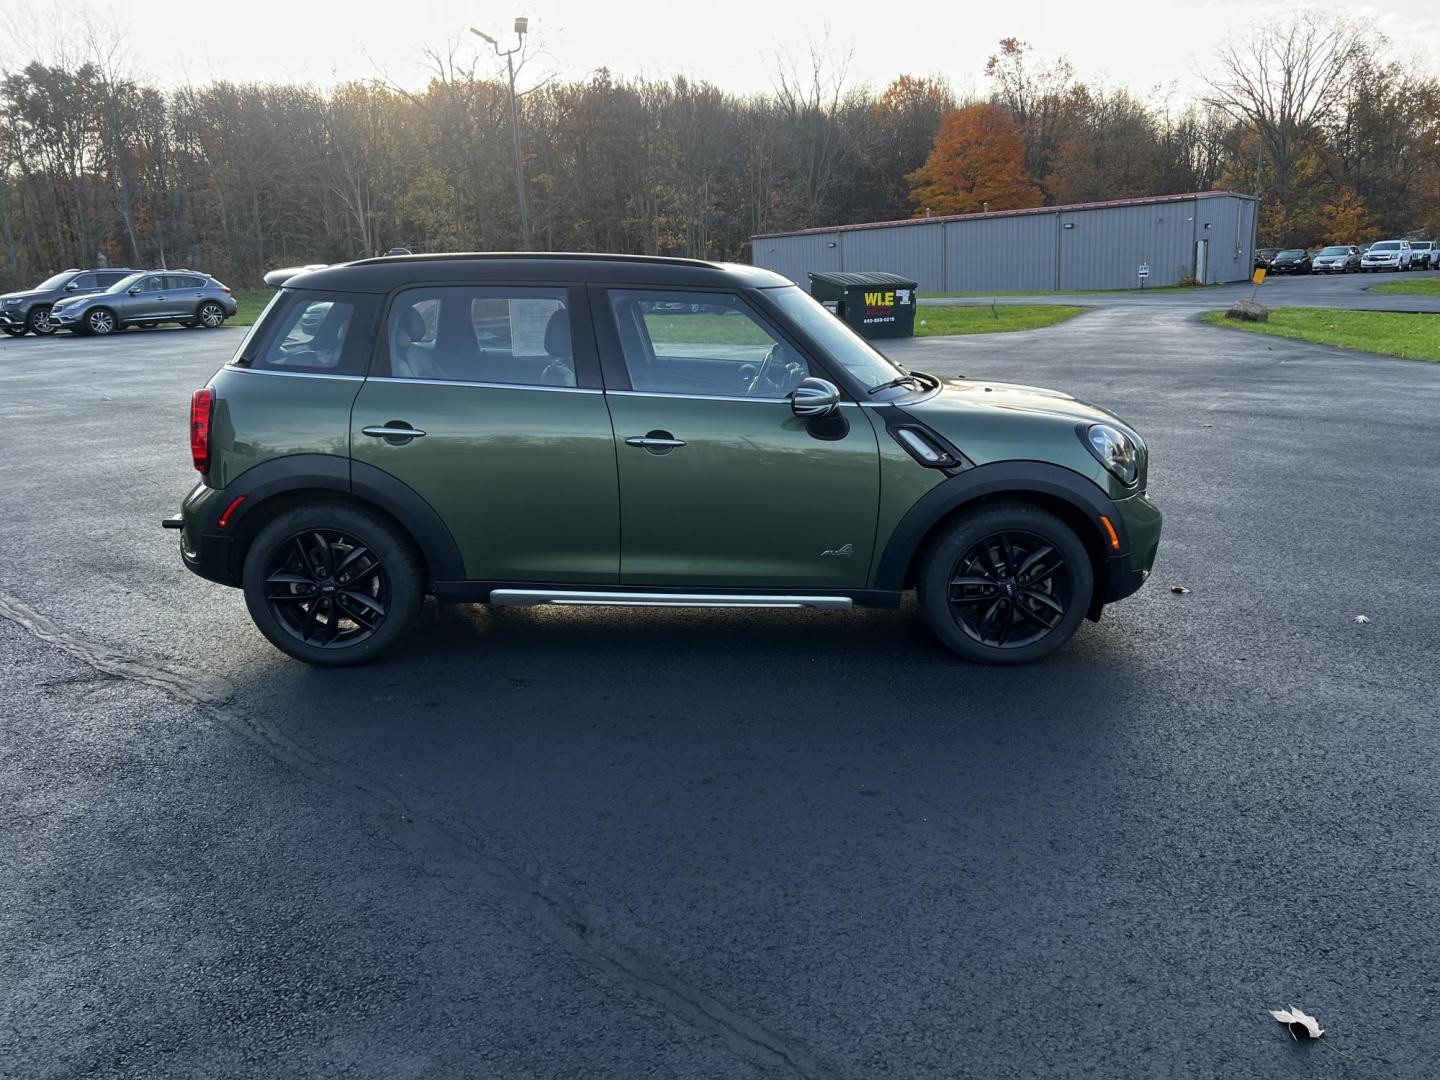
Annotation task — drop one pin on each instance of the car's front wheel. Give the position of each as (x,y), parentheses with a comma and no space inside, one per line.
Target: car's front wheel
(13,331)
(101,321)
(1006,583)
(332,584)
(39,321)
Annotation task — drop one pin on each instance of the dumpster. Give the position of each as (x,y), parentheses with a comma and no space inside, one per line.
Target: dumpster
(873,303)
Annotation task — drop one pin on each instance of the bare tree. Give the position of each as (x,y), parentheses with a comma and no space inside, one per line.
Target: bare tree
(1286,81)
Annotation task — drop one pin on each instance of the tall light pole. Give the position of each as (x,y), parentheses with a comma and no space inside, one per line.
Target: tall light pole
(522,24)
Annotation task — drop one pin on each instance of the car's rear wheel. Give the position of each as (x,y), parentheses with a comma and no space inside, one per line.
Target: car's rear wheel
(101,321)
(1005,584)
(39,322)
(209,315)
(332,585)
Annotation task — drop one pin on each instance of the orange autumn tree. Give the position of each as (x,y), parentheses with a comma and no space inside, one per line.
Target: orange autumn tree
(1346,220)
(977,158)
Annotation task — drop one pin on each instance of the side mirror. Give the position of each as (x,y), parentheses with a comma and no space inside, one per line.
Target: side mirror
(133,290)
(815,397)
(70,286)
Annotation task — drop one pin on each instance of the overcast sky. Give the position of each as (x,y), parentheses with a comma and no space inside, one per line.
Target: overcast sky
(733,43)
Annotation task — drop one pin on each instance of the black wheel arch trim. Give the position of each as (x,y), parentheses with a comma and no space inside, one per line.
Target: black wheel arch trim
(998,478)
(327,472)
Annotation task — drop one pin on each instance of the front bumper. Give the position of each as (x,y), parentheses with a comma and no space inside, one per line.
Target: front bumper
(1127,571)
(63,318)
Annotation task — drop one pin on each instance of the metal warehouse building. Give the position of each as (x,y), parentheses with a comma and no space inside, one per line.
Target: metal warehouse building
(1209,235)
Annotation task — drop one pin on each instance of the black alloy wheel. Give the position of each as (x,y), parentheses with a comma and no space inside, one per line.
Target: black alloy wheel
(327,589)
(1010,589)
(1005,583)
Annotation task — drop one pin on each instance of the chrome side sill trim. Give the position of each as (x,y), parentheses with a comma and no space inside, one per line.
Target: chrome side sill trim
(577,598)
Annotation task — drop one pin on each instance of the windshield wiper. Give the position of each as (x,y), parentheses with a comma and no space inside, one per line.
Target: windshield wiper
(899,380)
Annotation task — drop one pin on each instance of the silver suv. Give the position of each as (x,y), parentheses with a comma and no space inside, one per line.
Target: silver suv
(148,299)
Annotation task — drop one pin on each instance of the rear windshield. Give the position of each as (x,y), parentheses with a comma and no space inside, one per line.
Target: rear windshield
(1386,245)
(1335,251)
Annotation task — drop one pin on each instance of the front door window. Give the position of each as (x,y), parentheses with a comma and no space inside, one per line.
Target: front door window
(703,344)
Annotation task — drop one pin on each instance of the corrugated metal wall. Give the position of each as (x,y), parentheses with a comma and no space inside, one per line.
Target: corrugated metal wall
(998,253)
(1102,248)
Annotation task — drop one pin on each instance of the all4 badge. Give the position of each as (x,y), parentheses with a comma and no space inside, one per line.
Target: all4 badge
(842,552)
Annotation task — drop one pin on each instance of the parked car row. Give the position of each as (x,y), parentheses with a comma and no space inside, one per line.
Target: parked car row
(1345,258)
(103,301)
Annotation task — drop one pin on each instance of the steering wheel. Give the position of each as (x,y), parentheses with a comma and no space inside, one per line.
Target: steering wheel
(770,355)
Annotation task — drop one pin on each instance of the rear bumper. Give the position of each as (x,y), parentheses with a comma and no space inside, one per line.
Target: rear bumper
(204,549)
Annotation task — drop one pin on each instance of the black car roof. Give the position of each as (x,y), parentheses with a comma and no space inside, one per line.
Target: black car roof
(394,271)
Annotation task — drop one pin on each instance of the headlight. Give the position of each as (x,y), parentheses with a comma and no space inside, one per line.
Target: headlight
(15,302)
(1115,450)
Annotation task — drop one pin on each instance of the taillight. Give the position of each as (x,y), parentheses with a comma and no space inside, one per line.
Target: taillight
(202,404)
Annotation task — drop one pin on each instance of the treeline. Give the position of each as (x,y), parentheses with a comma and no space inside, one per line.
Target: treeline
(236,179)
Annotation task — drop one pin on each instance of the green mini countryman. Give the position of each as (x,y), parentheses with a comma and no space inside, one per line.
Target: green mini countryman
(578,429)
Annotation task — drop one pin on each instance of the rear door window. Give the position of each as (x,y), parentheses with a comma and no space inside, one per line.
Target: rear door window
(514,336)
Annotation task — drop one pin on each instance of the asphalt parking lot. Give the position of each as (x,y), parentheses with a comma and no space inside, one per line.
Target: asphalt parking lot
(611,843)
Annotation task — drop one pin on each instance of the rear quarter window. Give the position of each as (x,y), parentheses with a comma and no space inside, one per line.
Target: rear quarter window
(312,333)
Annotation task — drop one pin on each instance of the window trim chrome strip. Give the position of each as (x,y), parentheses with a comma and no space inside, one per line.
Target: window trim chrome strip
(289,374)
(707,397)
(485,385)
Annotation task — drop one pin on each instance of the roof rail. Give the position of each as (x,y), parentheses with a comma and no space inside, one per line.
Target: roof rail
(448,256)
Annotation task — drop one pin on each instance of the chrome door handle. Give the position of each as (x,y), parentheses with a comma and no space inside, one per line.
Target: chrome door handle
(647,442)
(384,432)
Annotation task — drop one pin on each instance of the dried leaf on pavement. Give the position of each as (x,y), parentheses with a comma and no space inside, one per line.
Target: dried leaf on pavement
(1299,1023)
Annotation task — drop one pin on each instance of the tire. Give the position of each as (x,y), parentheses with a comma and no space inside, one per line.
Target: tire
(387,591)
(39,322)
(209,315)
(148,325)
(101,321)
(994,589)
(14,331)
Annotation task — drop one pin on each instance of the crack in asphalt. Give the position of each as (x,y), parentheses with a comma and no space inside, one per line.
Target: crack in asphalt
(430,843)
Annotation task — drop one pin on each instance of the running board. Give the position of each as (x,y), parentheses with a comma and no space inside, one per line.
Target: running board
(578,598)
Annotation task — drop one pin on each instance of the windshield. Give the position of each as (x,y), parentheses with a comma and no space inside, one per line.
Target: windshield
(1335,251)
(55,282)
(1293,253)
(1385,245)
(125,282)
(840,343)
